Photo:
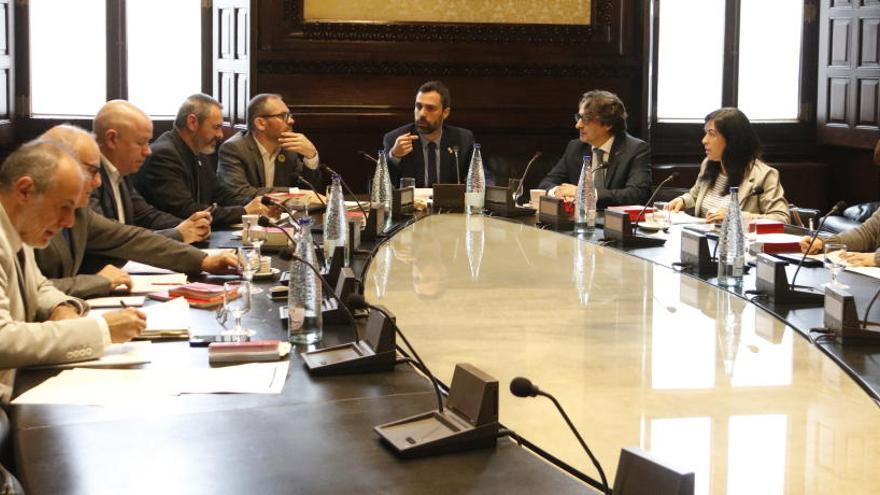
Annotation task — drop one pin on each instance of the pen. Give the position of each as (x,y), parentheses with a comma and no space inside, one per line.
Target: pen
(122,303)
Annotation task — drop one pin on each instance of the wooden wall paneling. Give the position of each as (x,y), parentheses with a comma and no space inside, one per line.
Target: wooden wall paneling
(231,57)
(6,43)
(867,104)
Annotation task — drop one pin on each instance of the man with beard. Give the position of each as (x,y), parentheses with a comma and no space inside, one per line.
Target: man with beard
(176,181)
(428,149)
(268,156)
(123,132)
(622,163)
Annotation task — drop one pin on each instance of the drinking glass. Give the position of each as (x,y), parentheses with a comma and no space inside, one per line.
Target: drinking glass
(835,263)
(662,214)
(249,259)
(237,302)
(407,182)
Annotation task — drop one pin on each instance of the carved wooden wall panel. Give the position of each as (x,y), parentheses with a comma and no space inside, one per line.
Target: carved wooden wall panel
(232,27)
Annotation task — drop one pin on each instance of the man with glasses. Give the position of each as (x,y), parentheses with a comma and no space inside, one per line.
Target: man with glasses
(62,259)
(621,162)
(177,180)
(123,132)
(268,156)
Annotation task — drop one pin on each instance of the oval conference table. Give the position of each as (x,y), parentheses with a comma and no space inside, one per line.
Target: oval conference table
(638,354)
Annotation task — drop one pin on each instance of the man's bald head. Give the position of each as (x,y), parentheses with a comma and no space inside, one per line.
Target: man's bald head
(85,149)
(123,132)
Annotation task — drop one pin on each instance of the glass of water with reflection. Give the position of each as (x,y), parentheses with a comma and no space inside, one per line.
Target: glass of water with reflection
(237,302)
(833,258)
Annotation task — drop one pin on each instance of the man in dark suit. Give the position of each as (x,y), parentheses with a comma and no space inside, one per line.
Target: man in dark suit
(428,149)
(176,181)
(62,259)
(622,162)
(269,156)
(123,133)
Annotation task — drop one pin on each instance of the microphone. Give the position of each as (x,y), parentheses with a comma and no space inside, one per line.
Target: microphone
(287,254)
(672,176)
(357,301)
(840,205)
(265,222)
(374,161)
(345,185)
(519,190)
(311,186)
(267,201)
(454,151)
(523,387)
(757,191)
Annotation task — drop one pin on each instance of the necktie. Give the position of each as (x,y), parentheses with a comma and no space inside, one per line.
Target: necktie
(599,178)
(431,172)
(22,283)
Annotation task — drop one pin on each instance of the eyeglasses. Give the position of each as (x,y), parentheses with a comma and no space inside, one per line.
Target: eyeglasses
(578,117)
(284,116)
(91,170)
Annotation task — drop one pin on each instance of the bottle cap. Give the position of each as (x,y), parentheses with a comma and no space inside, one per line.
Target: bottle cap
(476,146)
(304,222)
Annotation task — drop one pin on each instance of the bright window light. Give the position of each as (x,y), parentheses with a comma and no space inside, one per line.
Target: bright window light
(164,67)
(769,72)
(68,59)
(690,58)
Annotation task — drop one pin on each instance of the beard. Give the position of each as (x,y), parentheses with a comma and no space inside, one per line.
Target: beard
(426,127)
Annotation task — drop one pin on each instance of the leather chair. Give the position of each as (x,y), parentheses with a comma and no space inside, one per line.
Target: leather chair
(852,217)
(9,485)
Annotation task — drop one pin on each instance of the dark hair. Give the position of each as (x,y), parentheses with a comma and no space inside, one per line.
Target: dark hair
(199,105)
(607,108)
(439,87)
(741,149)
(257,107)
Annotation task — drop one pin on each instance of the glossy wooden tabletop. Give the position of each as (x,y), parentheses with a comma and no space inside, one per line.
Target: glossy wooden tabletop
(637,353)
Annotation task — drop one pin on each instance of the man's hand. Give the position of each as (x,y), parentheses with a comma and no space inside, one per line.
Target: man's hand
(403,145)
(818,245)
(716,216)
(297,142)
(125,324)
(676,204)
(64,312)
(220,264)
(118,278)
(195,228)
(858,259)
(565,190)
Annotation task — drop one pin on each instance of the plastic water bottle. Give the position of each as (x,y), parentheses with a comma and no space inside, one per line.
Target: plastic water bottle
(585,200)
(335,220)
(731,244)
(381,190)
(304,321)
(475,185)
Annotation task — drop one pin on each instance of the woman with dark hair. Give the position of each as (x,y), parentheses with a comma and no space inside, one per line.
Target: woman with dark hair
(732,159)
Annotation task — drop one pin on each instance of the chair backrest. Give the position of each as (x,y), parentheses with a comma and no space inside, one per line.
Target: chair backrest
(802,216)
(9,485)
(639,472)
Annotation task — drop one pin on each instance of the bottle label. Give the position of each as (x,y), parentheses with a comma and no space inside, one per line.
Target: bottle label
(295,318)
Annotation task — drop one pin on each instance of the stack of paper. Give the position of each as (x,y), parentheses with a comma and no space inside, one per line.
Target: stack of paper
(144,284)
(133,267)
(167,320)
(116,302)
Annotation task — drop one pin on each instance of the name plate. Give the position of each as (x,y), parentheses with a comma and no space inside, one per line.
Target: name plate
(772,281)
(618,227)
(402,203)
(842,319)
(499,200)
(695,253)
(449,198)
(551,212)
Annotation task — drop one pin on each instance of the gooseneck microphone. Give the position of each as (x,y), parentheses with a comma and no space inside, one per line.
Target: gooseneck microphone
(519,190)
(454,151)
(287,254)
(357,301)
(267,201)
(523,387)
(672,176)
(369,158)
(757,191)
(840,205)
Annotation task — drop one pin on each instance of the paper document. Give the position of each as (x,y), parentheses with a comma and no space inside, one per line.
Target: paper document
(870,271)
(216,251)
(144,284)
(680,217)
(171,315)
(127,354)
(115,302)
(121,388)
(133,267)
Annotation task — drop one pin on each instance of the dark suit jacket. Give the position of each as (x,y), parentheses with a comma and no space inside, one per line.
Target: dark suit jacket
(627,180)
(92,233)
(137,211)
(240,169)
(173,180)
(413,164)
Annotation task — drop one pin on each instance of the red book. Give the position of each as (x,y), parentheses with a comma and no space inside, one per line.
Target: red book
(250,346)
(764,226)
(633,211)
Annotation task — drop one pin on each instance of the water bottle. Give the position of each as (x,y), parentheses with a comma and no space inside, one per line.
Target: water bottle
(335,221)
(304,323)
(381,190)
(731,244)
(475,185)
(585,200)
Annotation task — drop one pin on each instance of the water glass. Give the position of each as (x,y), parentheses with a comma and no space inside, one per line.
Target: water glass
(249,259)
(662,214)
(407,182)
(237,302)
(834,252)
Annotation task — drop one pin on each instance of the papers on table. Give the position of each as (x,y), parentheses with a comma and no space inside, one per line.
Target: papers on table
(82,386)
(144,284)
(116,302)
(216,251)
(133,267)
(870,271)
(128,354)
(680,217)
(169,319)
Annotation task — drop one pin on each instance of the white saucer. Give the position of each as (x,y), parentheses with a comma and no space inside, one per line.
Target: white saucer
(650,226)
(267,275)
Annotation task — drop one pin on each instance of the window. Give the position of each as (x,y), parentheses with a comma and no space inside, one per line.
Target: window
(157,64)
(698,69)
